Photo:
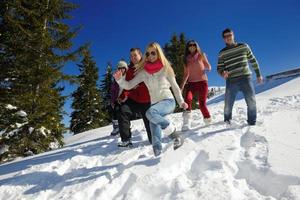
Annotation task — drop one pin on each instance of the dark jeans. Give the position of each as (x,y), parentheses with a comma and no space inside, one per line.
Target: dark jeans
(245,85)
(128,111)
(114,111)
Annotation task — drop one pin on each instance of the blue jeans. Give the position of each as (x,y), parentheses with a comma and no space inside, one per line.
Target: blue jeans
(245,85)
(155,115)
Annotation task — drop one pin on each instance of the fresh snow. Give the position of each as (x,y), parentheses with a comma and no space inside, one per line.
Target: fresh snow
(30,129)
(22,113)
(223,162)
(44,131)
(11,107)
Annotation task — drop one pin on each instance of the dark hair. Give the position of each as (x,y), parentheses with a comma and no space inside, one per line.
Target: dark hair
(136,49)
(227,30)
(187,52)
(132,50)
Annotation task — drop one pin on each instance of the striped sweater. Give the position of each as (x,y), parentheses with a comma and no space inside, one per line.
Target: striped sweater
(235,58)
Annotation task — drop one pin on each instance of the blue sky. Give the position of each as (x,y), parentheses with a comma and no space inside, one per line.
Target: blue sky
(271,28)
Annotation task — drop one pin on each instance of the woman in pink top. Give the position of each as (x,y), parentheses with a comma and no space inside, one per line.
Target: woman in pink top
(196,65)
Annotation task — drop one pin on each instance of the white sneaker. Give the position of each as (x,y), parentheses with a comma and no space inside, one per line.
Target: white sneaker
(207,121)
(187,116)
(170,129)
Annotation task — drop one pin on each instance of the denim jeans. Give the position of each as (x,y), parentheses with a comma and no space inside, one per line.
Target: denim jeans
(155,115)
(245,85)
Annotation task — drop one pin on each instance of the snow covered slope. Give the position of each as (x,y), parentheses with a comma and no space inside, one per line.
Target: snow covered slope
(215,162)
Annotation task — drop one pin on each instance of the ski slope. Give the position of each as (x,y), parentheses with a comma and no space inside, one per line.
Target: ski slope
(216,162)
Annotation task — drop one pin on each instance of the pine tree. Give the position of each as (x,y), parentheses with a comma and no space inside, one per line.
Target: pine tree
(174,51)
(87,102)
(14,125)
(175,54)
(35,44)
(105,92)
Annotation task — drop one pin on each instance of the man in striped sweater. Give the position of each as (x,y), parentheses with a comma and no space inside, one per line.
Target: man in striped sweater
(233,66)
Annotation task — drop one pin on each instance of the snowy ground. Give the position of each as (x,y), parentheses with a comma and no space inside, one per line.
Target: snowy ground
(215,162)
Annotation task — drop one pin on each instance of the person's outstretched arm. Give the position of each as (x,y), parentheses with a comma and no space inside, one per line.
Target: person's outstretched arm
(185,77)
(127,85)
(177,92)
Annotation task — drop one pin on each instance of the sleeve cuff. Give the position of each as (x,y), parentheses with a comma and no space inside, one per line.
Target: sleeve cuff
(257,73)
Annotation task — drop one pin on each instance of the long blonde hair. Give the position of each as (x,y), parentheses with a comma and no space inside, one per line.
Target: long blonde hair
(161,56)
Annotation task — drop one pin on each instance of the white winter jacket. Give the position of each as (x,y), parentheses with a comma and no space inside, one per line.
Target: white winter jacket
(158,85)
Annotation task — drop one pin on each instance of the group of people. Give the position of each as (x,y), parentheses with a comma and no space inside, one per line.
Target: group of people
(144,87)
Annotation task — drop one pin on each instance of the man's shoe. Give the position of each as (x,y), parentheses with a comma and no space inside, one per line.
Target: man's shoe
(125,144)
(251,123)
(228,122)
(157,152)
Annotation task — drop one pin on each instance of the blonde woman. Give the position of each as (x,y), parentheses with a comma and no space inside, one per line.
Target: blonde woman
(158,75)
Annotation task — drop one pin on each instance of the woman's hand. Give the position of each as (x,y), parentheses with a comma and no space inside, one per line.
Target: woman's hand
(117,75)
(184,105)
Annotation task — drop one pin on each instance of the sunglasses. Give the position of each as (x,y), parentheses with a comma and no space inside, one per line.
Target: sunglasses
(120,68)
(227,35)
(192,45)
(153,53)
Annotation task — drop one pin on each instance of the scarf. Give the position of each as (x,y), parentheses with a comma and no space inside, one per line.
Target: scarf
(154,67)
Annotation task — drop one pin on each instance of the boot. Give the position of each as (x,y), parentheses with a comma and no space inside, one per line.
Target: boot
(169,129)
(207,121)
(187,116)
(115,130)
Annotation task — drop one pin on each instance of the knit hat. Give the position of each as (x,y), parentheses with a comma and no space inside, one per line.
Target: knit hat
(122,64)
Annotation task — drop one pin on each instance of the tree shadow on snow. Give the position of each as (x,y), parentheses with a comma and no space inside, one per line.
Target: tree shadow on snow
(96,147)
(42,181)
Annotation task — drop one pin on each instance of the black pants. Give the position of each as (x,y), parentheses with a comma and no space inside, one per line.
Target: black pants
(128,111)
(114,111)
